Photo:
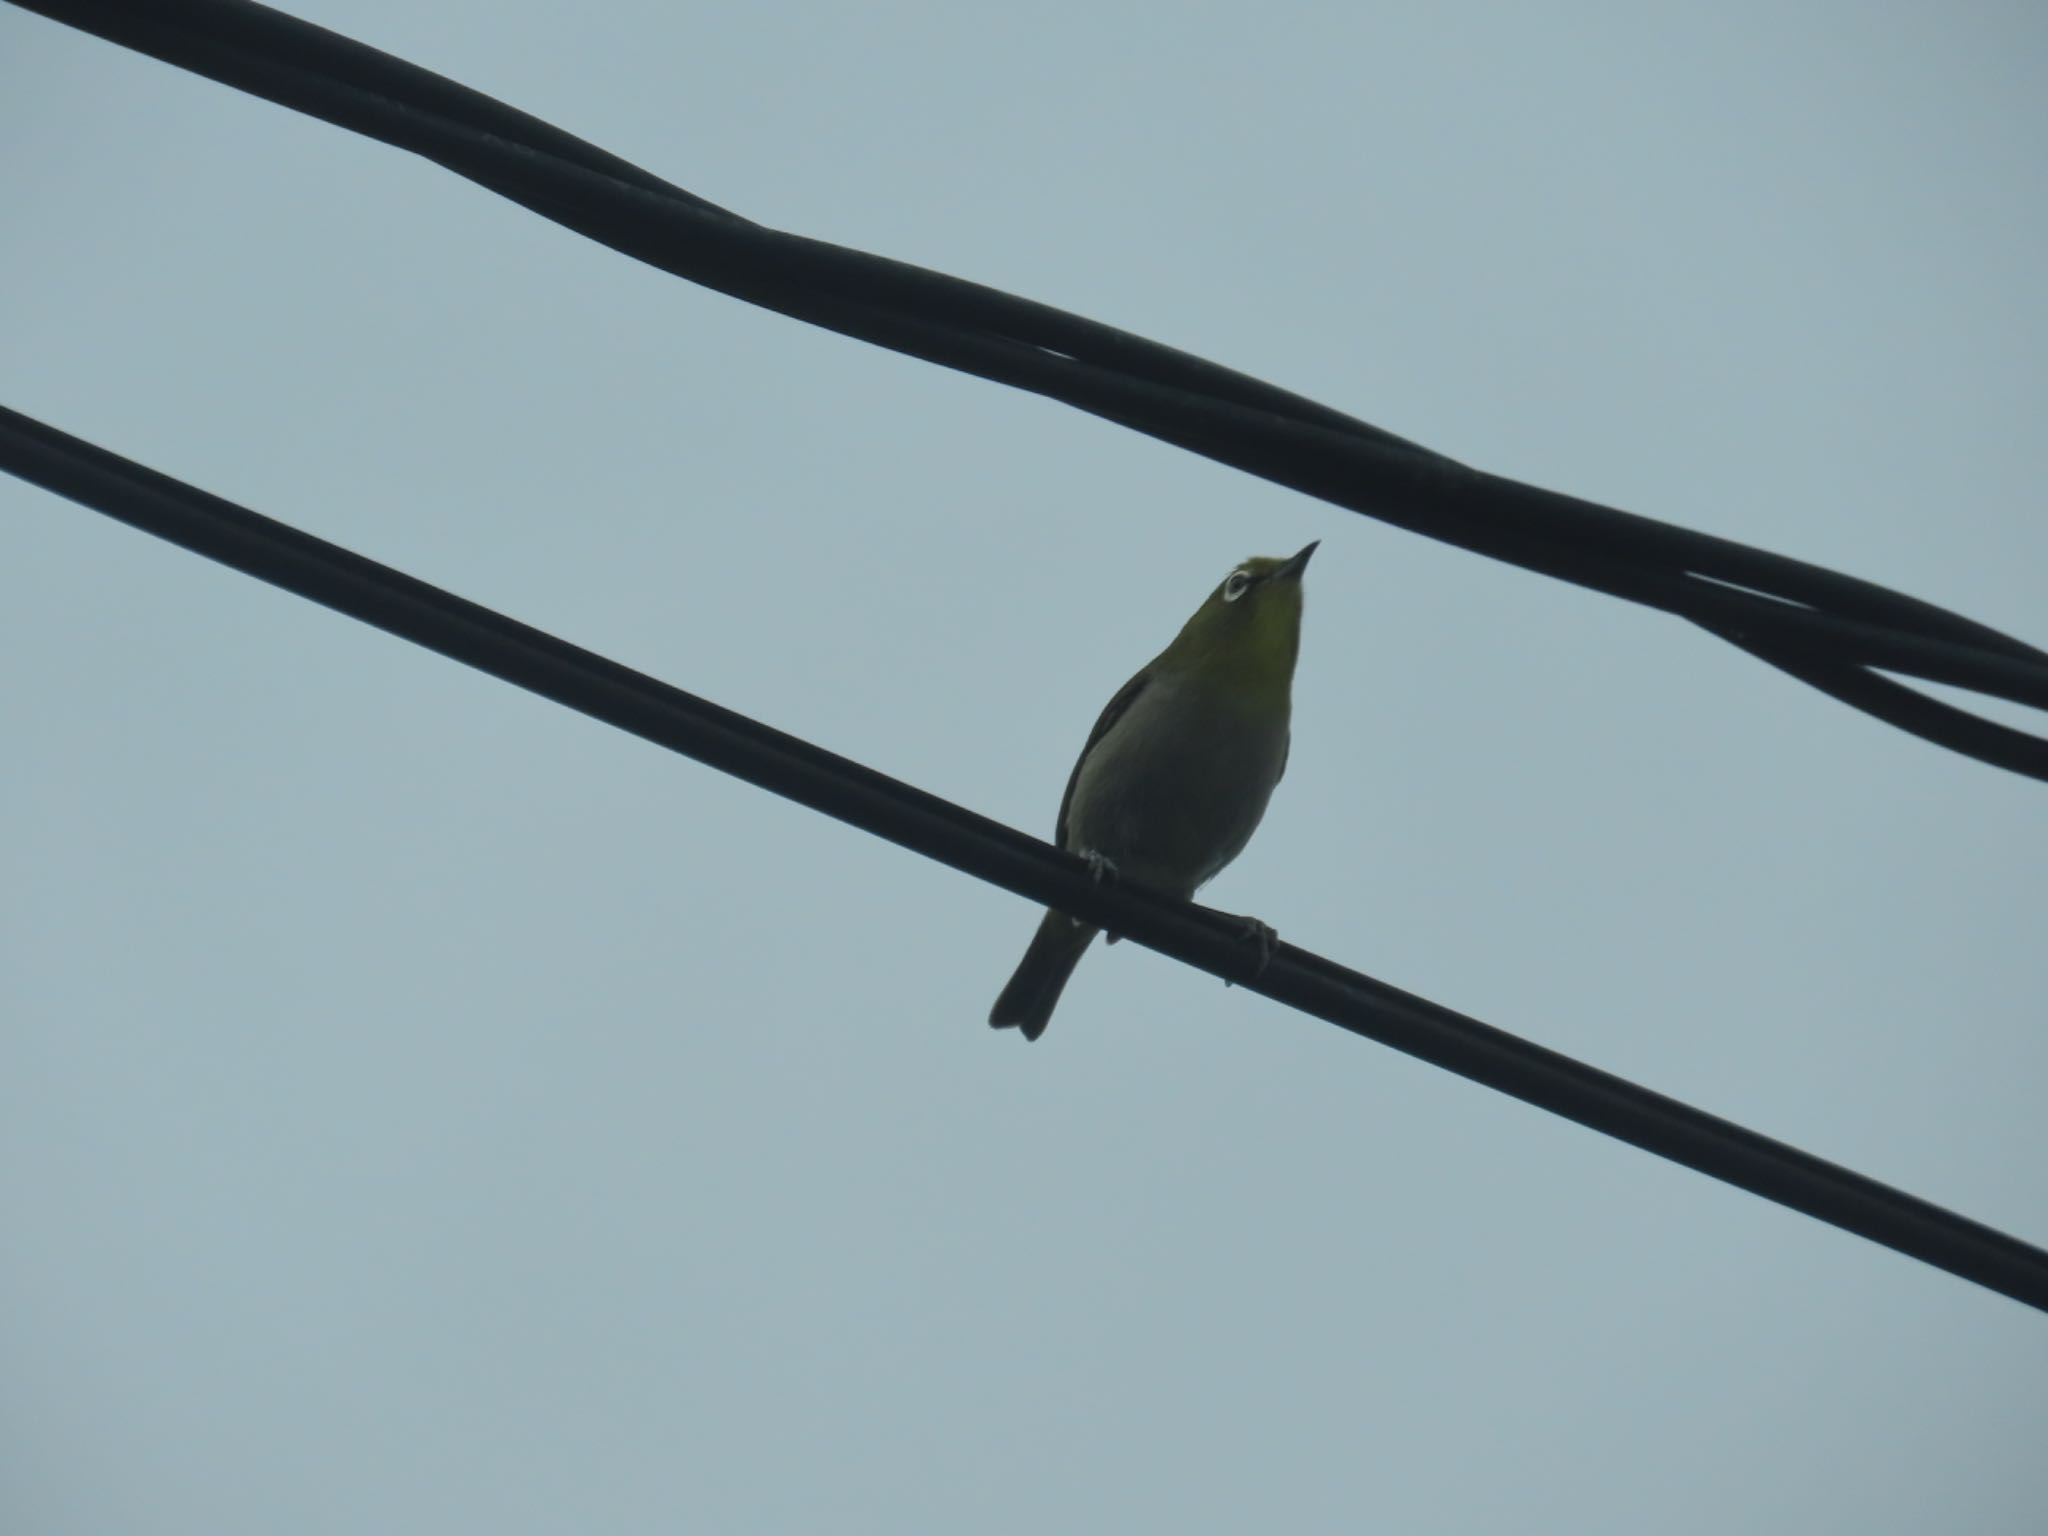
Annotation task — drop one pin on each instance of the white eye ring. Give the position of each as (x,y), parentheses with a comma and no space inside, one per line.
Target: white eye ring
(1235,586)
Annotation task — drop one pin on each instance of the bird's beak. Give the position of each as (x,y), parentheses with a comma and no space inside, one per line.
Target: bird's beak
(1292,570)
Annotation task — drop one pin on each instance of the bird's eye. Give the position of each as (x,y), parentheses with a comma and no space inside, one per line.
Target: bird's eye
(1236,586)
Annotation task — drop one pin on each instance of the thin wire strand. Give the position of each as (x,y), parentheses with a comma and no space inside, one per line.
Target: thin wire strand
(975,845)
(1823,627)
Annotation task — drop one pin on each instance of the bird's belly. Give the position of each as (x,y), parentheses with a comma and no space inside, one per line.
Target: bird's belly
(1174,794)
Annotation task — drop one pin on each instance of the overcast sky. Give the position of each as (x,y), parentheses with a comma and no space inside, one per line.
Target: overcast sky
(423,1109)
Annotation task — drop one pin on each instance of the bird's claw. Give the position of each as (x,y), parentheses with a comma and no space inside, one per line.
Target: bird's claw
(1101,868)
(1102,871)
(1252,931)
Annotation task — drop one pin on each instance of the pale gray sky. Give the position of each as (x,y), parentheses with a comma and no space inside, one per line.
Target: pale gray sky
(425,1110)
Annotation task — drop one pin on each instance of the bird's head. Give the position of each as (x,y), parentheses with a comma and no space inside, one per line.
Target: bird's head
(1251,622)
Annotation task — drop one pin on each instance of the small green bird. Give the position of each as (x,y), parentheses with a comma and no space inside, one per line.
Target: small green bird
(1178,770)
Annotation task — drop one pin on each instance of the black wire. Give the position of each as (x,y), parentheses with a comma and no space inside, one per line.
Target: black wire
(839,787)
(1825,628)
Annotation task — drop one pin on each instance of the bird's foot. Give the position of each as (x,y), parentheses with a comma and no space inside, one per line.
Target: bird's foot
(1101,867)
(1102,870)
(1252,931)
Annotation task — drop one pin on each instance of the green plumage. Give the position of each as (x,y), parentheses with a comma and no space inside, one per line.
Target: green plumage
(1176,774)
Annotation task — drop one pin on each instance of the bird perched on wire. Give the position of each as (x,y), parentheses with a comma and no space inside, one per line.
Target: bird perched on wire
(1178,770)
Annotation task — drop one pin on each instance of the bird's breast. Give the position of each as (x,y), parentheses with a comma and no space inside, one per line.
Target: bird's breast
(1173,791)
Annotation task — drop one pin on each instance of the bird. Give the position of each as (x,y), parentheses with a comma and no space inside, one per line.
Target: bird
(1175,777)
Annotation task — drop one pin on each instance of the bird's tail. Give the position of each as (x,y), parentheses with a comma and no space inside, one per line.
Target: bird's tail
(1027,1002)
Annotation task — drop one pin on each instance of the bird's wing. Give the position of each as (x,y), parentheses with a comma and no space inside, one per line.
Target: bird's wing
(1112,712)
